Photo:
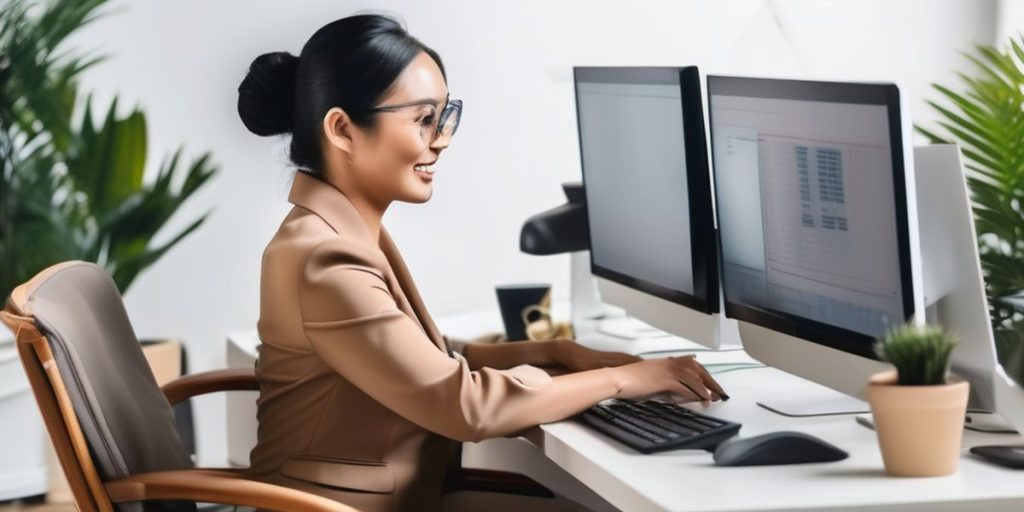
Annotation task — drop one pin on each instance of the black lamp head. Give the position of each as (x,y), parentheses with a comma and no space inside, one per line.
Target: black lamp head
(558,230)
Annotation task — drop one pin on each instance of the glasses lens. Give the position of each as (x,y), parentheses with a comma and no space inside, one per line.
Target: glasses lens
(452,123)
(449,120)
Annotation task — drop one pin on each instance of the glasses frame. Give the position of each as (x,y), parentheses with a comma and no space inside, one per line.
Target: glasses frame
(452,107)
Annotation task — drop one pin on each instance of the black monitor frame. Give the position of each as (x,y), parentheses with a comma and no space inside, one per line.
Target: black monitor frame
(884,94)
(703,242)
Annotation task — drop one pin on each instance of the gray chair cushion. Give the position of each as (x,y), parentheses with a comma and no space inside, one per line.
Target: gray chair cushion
(126,419)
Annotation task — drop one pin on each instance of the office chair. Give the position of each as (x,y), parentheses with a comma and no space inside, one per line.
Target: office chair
(113,428)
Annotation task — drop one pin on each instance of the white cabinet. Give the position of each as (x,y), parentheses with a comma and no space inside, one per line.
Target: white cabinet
(23,440)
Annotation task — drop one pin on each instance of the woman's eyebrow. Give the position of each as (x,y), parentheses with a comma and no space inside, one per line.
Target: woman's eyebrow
(426,101)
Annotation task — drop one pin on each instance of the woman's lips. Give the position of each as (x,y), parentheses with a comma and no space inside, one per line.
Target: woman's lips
(425,172)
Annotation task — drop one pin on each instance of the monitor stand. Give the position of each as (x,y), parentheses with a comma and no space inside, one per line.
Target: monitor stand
(627,327)
(660,344)
(584,299)
(810,365)
(815,400)
(978,421)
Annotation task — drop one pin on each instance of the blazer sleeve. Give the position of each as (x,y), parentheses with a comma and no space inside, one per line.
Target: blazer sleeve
(354,324)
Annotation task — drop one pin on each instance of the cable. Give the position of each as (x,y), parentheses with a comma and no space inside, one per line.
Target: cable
(736,367)
(676,351)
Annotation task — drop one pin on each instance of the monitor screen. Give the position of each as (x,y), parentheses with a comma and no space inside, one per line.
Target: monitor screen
(647,182)
(812,209)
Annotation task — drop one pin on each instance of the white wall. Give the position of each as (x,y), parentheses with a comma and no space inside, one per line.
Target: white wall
(1009,19)
(510,62)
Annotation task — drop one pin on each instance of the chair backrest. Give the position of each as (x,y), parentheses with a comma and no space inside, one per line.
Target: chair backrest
(71,324)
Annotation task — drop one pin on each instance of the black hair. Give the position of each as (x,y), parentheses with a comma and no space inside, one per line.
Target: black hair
(350,63)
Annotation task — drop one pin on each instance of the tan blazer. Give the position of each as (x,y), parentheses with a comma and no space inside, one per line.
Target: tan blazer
(361,399)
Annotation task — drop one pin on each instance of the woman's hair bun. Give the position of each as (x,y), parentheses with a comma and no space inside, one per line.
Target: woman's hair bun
(266,96)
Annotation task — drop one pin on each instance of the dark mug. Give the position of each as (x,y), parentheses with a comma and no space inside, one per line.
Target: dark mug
(512,300)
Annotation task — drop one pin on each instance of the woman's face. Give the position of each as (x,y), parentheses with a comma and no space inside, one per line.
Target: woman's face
(394,160)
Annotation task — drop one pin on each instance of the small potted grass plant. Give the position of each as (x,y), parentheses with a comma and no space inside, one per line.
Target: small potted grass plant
(918,409)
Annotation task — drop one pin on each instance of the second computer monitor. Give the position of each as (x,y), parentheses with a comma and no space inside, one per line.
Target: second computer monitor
(648,192)
(815,221)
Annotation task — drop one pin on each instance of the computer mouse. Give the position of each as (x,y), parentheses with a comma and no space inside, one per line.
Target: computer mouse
(776,448)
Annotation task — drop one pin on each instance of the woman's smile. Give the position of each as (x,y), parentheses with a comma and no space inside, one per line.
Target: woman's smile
(424,171)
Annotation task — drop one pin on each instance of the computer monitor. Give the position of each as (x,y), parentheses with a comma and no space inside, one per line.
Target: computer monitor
(817,222)
(954,291)
(953,284)
(648,196)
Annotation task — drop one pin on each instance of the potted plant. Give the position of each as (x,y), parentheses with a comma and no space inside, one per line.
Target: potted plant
(918,410)
(73,182)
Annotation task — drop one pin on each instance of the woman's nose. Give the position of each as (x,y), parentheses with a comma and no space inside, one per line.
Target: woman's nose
(441,142)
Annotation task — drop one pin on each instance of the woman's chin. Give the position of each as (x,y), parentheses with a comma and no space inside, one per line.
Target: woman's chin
(421,194)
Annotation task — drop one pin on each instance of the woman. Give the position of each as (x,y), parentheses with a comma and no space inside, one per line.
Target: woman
(361,398)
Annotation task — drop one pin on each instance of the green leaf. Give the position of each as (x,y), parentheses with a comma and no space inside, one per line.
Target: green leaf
(920,355)
(76,188)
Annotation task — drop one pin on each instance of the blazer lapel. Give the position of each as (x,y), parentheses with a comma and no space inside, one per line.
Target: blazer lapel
(331,205)
(406,283)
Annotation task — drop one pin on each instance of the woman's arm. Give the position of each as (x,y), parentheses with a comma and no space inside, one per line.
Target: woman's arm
(561,355)
(502,356)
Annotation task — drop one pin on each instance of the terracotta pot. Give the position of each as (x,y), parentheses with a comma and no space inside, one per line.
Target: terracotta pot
(919,427)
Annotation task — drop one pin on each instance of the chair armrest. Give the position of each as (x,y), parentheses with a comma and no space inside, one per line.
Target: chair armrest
(486,480)
(210,382)
(212,486)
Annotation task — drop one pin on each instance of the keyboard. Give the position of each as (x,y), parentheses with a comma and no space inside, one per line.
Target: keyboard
(650,426)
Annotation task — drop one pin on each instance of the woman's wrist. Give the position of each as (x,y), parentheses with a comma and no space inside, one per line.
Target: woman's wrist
(619,378)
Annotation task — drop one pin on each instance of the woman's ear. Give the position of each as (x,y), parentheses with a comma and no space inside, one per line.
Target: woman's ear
(338,128)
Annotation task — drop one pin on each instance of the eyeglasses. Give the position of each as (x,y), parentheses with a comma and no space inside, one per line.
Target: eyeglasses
(431,130)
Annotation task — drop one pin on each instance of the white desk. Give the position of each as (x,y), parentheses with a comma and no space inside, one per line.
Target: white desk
(688,481)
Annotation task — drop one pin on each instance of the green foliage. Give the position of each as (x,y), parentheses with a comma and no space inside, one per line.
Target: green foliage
(920,355)
(72,185)
(986,118)
(1010,347)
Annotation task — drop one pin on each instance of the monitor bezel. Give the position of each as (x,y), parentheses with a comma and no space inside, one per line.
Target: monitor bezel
(884,94)
(704,256)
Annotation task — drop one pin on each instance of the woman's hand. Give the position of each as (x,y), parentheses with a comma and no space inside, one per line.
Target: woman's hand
(682,376)
(577,358)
